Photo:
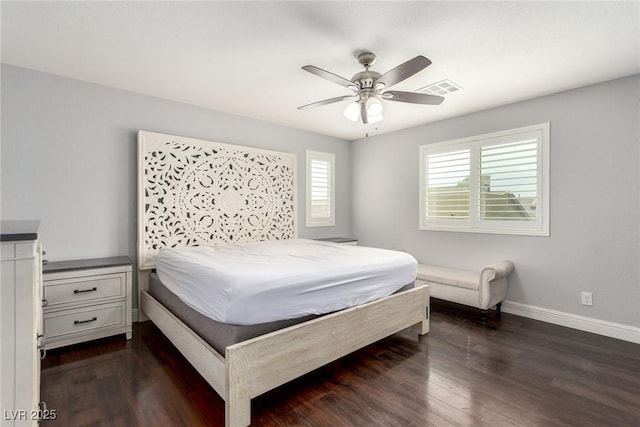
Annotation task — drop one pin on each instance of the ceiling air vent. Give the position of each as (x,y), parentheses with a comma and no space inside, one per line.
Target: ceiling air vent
(441,88)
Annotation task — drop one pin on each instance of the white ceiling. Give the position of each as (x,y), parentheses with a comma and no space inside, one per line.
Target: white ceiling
(245,57)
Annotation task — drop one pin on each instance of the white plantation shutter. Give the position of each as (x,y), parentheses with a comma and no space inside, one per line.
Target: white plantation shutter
(320,189)
(448,185)
(495,183)
(509,180)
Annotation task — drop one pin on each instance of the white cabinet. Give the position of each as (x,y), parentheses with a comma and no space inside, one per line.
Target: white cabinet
(86,300)
(21,323)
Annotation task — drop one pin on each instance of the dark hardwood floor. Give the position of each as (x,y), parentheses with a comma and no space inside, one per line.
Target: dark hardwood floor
(511,371)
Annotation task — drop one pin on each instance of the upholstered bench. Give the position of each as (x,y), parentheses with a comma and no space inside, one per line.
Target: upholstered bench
(482,290)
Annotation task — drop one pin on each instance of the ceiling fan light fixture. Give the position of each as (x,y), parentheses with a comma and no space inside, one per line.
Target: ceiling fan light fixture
(352,112)
(374,106)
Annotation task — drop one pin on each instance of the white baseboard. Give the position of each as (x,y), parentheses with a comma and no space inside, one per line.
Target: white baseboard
(600,327)
(134,315)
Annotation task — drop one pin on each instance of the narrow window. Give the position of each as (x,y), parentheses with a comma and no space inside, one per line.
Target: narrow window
(320,189)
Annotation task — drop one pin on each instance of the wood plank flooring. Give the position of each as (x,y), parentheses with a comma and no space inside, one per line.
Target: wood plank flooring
(511,371)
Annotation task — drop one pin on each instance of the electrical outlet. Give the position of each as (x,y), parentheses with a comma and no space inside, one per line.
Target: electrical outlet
(587,298)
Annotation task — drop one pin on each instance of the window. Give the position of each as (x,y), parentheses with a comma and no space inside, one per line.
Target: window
(494,183)
(320,189)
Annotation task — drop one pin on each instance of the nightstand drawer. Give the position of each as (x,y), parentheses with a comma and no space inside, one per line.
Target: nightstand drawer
(58,324)
(85,289)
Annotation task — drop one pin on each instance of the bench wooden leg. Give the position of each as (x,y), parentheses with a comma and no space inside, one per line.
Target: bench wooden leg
(499,309)
(484,316)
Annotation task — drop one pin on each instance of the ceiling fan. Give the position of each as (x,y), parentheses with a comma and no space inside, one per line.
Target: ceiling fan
(369,86)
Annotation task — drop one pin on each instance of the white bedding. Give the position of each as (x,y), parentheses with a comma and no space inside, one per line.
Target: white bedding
(260,282)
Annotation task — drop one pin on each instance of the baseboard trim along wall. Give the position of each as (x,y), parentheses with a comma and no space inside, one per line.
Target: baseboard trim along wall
(600,327)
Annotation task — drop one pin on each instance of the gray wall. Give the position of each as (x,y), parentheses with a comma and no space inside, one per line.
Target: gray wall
(69,159)
(594,201)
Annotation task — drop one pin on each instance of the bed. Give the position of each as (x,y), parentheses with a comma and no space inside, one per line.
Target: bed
(198,194)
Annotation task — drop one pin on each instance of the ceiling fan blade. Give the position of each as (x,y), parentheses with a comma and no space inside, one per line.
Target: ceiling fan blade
(330,76)
(326,102)
(412,97)
(404,71)
(363,113)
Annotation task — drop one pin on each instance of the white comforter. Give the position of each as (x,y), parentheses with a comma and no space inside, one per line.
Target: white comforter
(260,282)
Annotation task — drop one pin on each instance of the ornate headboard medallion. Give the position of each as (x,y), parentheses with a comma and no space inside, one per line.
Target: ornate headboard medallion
(193,192)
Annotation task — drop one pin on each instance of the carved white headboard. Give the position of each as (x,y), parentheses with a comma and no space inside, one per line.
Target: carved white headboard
(193,192)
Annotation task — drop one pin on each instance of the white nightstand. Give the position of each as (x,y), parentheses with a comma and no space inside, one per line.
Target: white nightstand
(86,300)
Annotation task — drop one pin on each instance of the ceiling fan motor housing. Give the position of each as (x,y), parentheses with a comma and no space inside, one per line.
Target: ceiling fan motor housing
(365,79)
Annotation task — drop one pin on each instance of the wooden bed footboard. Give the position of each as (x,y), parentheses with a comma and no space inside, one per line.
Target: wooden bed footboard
(255,366)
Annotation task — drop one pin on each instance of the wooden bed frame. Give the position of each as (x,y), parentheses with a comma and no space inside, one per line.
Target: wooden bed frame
(255,366)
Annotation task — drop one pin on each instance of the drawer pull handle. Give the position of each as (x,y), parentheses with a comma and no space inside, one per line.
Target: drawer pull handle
(42,341)
(77,291)
(78,322)
(43,351)
(45,302)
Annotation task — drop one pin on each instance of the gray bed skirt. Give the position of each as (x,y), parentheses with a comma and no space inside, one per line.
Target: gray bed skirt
(218,335)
